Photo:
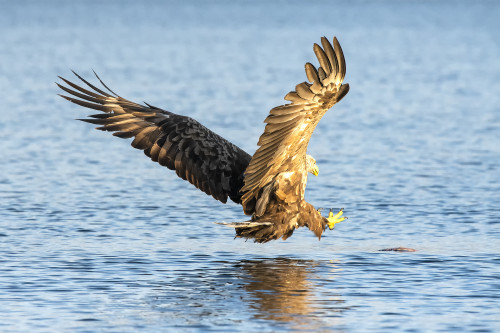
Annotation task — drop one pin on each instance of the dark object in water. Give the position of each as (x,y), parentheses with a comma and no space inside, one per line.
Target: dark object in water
(399,249)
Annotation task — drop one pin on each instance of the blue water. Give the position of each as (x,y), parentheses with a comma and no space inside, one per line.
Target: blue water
(94,237)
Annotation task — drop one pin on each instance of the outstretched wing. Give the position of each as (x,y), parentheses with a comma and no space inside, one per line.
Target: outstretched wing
(283,144)
(205,159)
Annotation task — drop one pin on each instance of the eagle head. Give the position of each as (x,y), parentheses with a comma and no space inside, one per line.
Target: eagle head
(311,165)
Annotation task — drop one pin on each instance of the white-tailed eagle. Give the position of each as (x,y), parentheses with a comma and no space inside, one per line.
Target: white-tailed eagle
(270,184)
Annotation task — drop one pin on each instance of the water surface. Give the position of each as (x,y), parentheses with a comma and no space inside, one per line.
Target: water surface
(95,237)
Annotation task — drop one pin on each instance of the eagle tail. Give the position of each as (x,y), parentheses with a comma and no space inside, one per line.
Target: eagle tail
(263,232)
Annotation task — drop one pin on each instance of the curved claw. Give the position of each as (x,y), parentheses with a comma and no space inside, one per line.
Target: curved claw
(320,209)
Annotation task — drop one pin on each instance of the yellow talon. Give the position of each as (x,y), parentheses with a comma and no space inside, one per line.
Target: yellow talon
(334,219)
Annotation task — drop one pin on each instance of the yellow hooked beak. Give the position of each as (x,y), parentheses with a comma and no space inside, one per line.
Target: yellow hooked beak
(315,170)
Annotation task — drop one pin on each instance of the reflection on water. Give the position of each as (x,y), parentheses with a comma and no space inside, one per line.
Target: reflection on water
(279,293)
(282,289)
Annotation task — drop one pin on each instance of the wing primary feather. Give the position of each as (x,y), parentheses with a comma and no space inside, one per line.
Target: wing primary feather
(330,53)
(124,135)
(311,72)
(79,95)
(340,58)
(91,85)
(124,127)
(321,74)
(125,119)
(86,104)
(105,86)
(114,117)
(157,109)
(95,121)
(322,58)
(101,115)
(77,87)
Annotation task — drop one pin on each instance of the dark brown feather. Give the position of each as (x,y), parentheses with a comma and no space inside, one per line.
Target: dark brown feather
(322,58)
(311,73)
(198,155)
(340,58)
(330,53)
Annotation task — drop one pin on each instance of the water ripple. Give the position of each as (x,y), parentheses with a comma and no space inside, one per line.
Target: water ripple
(96,238)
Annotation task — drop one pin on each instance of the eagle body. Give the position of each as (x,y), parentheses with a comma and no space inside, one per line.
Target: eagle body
(270,185)
(284,206)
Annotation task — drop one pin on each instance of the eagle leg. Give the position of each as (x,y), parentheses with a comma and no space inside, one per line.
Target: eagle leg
(334,219)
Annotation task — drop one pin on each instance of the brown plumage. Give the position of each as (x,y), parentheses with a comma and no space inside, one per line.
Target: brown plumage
(270,184)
